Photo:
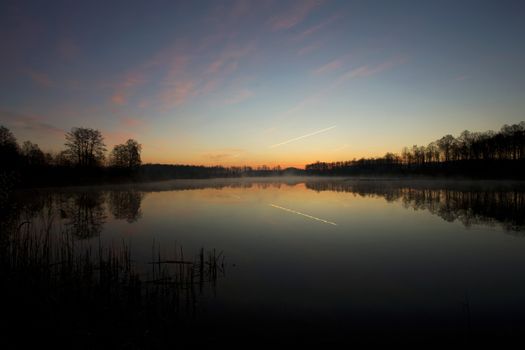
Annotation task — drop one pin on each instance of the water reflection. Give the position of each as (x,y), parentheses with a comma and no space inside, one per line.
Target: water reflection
(286,258)
(125,205)
(83,213)
(469,202)
(475,204)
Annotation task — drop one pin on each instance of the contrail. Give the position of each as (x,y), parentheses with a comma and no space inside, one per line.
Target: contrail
(302,137)
(303,214)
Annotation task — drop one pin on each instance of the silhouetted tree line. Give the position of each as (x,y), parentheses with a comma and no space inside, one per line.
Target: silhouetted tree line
(86,160)
(153,172)
(83,160)
(471,153)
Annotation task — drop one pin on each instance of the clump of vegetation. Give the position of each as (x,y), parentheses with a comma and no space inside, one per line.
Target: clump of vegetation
(66,291)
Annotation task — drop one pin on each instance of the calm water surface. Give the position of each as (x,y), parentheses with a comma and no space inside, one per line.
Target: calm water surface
(364,254)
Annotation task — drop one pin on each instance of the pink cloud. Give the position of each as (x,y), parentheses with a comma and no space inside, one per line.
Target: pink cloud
(329,67)
(124,88)
(141,74)
(177,94)
(462,77)
(68,49)
(223,154)
(184,76)
(240,8)
(319,26)
(29,122)
(177,66)
(118,98)
(112,138)
(227,61)
(178,86)
(294,16)
(187,79)
(359,72)
(215,66)
(39,78)
(144,103)
(366,70)
(208,86)
(308,49)
(132,79)
(132,123)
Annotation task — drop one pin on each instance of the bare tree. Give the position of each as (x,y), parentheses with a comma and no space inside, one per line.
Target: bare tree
(85,147)
(445,145)
(126,155)
(33,155)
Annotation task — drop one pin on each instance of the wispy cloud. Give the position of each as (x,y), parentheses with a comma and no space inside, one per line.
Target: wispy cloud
(368,70)
(28,122)
(318,27)
(132,123)
(216,66)
(177,86)
(302,137)
(116,137)
(329,67)
(223,154)
(39,78)
(124,88)
(174,75)
(228,60)
(295,15)
(354,73)
(462,77)
(188,78)
(309,48)
(118,98)
(68,48)
(177,94)
(240,8)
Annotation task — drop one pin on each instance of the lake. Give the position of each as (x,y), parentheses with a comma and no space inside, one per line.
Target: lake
(315,258)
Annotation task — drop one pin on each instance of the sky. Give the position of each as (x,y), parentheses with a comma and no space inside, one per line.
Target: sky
(260,82)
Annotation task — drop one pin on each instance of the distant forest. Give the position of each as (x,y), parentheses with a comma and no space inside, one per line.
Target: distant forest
(474,154)
(86,160)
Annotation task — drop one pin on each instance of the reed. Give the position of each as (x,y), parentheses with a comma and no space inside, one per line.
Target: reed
(62,283)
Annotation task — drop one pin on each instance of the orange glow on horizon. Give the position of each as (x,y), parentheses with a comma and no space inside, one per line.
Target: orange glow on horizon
(299,162)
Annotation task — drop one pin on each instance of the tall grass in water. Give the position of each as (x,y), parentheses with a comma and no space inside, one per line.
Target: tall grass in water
(61,288)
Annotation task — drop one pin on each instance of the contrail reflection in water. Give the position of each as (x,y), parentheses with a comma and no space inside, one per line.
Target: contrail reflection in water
(303,214)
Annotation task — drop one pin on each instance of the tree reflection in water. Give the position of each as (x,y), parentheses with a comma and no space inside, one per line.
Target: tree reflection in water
(84,213)
(125,205)
(486,205)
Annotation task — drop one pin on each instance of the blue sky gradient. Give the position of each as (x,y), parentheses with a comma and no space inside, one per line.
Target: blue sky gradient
(220,82)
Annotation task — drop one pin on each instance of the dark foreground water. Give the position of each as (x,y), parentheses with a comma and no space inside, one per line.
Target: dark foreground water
(329,260)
